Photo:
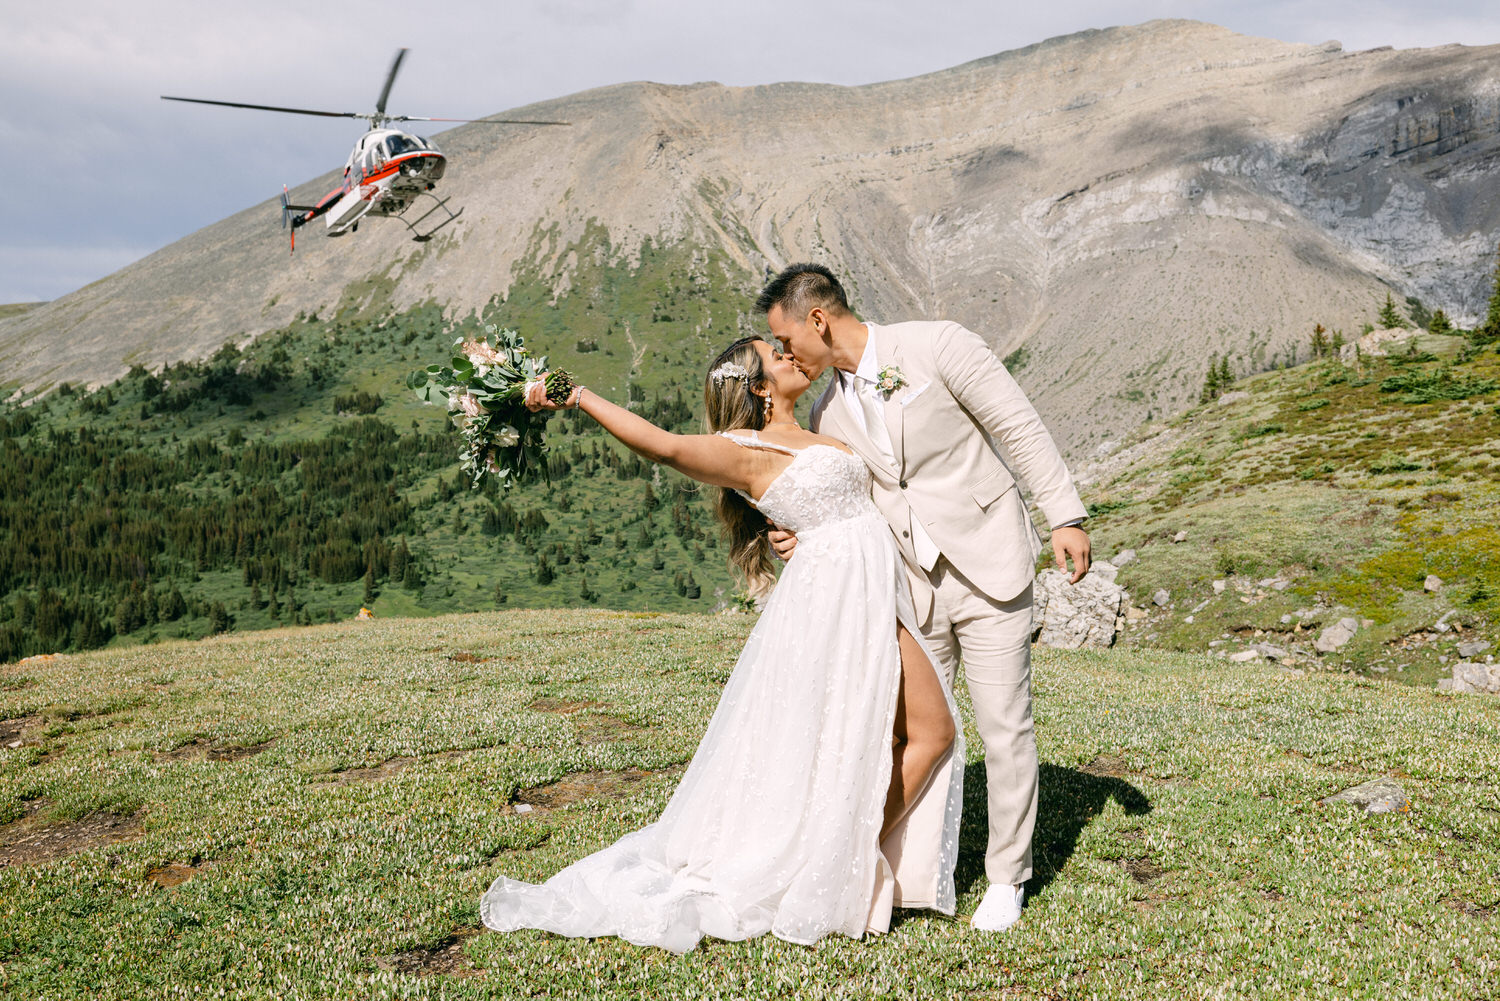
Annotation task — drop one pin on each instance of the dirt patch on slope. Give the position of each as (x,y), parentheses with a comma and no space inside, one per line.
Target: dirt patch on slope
(29,841)
(587,785)
(446,959)
(388,767)
(203,750)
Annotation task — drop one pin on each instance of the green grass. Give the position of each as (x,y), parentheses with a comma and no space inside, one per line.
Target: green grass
(1353,482)
(1181,851)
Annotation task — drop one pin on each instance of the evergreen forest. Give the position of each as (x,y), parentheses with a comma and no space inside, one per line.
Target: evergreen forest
(292,479)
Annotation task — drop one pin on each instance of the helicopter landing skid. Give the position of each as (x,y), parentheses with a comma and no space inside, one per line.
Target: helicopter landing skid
(414,225)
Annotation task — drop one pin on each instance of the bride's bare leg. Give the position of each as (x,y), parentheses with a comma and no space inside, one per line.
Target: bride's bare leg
(923,731)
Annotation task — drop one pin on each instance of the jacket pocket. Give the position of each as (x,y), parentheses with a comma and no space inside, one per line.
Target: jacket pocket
(992,486)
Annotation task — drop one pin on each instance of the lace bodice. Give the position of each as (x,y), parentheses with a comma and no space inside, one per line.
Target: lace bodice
(823,485)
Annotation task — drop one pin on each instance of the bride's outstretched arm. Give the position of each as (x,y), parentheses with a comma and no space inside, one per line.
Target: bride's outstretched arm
(707,458)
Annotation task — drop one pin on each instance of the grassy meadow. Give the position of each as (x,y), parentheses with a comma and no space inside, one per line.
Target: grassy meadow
(314,812)
(1315,492)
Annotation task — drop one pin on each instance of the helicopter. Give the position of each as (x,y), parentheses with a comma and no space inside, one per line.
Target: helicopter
(387,171)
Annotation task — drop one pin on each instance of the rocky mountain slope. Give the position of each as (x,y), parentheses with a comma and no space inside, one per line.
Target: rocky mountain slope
(1110,208)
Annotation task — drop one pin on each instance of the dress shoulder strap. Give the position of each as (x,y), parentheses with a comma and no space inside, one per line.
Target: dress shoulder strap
(754,440)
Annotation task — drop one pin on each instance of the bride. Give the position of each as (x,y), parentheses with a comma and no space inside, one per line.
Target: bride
(792,817)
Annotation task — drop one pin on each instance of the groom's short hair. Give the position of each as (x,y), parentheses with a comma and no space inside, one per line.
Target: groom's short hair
(801,288)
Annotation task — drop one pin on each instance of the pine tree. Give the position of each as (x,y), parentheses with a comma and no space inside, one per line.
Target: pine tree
(1226,377)
(369,595)
(544,572)
(1319,340)
(1389,318)
(1210,381)
(1440,324)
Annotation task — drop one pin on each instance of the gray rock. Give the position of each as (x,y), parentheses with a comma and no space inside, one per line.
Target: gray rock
(1123,557)
(1104,569)
(1270,651)
(1219,586)
(1441,625)
(1233,397)
(1245,656)
(1070,616)
(1432,583)
(1335,636)
(1161,597)
(1180,537)
(1472,648)
(1375,796)
(1471,677)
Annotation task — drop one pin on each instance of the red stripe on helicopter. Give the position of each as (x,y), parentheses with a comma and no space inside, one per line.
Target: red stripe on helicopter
(391,166)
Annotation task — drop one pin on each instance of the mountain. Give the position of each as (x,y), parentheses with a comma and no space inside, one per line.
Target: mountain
(1110,208)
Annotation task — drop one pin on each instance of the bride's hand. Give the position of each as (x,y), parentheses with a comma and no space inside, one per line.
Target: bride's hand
(536,396)
(782,543)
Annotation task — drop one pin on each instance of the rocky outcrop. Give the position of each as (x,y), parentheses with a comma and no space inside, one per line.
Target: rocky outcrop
(1472,677)
(1375,796)
(1071,616)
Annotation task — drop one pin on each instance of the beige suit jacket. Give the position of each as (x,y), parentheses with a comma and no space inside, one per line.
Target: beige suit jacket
(957,405)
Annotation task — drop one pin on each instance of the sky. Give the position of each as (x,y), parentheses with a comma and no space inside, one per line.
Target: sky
(103,172)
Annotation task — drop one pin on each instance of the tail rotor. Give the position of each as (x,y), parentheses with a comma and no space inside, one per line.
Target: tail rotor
(286,214)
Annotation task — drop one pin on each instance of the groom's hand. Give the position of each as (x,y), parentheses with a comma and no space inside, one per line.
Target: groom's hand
(782,543)
(1071,543)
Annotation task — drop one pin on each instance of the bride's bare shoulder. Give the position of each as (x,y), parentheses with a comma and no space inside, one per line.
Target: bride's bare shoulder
(800,438)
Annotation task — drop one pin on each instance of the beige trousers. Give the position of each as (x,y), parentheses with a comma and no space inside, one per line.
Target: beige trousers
(992,639)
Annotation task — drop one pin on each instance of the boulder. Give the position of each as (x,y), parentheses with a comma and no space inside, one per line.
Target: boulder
(1161,597)
(1333,638)
(1377,343)
(1180,537)
(1219,586)
(1472,648)
(1471,677)
(1375,796)
(1432,583)
(1245,656)
(1123,557)
(1270,651)
(1070,616)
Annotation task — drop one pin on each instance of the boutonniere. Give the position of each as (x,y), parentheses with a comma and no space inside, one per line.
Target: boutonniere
(889,379)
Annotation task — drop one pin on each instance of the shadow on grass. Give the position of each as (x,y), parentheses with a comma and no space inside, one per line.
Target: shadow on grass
(1067,800)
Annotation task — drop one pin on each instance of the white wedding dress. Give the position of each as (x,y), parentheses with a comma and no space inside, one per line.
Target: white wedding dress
(774,826)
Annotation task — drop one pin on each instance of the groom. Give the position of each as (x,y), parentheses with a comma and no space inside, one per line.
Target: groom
(924,404)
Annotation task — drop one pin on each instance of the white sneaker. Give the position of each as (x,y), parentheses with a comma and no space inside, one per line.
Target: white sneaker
(1000,908)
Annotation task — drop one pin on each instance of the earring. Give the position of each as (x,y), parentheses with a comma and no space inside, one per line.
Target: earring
(769,407)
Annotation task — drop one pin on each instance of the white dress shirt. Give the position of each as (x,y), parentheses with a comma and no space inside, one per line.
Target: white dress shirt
(868,406)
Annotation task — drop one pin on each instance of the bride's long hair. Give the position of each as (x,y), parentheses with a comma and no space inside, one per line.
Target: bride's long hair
(730,405)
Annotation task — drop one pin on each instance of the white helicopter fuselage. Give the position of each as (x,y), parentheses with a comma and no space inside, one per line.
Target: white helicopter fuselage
(386,171)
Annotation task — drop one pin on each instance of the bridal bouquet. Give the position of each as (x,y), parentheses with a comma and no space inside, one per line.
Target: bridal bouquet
(485,389)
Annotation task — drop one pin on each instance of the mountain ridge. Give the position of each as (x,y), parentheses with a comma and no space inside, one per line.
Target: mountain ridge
(1118,204)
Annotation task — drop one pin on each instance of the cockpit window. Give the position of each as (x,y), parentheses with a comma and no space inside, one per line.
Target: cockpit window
(397,145)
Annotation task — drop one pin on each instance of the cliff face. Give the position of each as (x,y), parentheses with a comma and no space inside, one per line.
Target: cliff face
(1120,204)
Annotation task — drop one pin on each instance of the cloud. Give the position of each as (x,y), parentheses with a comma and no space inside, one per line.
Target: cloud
(123,169)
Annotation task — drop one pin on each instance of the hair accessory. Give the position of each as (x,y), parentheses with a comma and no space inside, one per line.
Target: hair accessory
(728,370)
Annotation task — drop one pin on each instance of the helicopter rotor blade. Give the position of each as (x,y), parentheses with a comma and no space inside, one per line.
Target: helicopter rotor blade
(390,78)
(475,121)
(268,107)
